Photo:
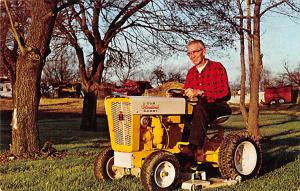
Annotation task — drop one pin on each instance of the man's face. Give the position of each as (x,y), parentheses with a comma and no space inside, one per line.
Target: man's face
(196,53)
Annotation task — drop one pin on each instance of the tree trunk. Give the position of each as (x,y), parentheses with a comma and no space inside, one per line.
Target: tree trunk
(25,114)
(253,120)
(243,65)
(89,114)
(30,63)
(90,87)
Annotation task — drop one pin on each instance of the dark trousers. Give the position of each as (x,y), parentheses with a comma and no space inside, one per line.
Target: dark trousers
(203,113)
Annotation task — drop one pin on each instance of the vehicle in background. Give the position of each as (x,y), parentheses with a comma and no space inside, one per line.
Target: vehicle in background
(279,95)
(132,88)
(69,89)
(62,90)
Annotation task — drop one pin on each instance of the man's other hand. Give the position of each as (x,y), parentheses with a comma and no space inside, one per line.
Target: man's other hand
(191,93)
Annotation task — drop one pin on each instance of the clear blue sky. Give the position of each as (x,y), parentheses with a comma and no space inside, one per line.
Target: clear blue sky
(280,42)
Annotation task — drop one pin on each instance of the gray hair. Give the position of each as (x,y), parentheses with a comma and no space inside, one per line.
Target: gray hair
(196,42)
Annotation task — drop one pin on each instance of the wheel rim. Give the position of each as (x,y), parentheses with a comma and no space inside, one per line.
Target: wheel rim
(164,174)
(109,168)
(245,158)
(272,102)
(281,101)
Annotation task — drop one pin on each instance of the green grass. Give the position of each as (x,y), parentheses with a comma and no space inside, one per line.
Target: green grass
(280,170)
(284,178)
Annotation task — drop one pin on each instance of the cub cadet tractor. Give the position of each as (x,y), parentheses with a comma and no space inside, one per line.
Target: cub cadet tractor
(147,133)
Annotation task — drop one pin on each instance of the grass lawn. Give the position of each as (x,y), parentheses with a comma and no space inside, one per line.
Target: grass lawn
(73,171)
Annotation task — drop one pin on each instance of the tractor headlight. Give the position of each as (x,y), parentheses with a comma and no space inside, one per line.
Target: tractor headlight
(145,121)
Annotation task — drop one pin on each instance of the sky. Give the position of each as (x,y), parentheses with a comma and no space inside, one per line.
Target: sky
(280,43)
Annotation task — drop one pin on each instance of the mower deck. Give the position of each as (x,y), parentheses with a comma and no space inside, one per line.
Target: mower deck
(197,180)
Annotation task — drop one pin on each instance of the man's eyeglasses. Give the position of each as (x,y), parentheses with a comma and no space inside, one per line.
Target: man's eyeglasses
(194,52)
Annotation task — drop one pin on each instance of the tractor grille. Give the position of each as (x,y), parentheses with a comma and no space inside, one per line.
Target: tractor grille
(122,118)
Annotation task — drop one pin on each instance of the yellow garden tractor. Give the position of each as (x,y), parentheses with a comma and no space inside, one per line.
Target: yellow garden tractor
(147,133)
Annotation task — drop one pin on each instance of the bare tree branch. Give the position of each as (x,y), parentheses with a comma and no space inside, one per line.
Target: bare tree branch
(14,31)
(67,4)
(273,6)
(116,25)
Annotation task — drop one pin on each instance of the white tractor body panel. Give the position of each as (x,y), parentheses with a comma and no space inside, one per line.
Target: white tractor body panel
(124,160)
(158,105)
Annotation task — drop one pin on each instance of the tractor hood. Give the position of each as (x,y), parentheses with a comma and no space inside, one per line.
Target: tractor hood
(157,105)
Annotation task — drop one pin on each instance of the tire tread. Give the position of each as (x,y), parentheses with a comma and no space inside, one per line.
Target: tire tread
(227,150)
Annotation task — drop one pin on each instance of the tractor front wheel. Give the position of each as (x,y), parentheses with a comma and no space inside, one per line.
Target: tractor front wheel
(103,166)
(240,156)
(160,171)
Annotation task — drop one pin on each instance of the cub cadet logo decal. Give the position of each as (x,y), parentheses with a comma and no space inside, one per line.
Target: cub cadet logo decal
(150,107)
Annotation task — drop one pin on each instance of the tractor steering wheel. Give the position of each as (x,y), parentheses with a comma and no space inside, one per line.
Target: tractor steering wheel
(180,93)
(176,92)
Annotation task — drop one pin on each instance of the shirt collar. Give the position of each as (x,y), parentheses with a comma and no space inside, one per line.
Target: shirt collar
(207,65)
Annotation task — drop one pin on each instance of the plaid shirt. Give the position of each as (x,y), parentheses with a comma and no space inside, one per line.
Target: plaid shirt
(212,80)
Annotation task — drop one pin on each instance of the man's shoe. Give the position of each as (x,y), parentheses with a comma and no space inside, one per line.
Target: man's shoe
(186,157)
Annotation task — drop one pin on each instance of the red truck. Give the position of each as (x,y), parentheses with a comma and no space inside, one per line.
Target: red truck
(274,95)
(132,88)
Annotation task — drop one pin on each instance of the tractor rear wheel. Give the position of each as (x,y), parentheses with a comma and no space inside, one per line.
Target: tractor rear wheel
(240,156)
(160,171)
(281,101)
(103,166)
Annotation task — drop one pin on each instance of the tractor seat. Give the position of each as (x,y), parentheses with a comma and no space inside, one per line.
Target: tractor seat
(219,120)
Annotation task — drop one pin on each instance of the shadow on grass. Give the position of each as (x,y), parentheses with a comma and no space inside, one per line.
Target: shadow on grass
(58,128)
(277,153)
(63,128)
(267,139)
(6,115)
(291,118)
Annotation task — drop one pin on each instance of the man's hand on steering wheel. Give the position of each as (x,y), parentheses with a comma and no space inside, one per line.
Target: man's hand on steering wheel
(192,93)
(175,93)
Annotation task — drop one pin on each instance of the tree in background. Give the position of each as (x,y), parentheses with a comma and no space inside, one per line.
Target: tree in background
(292,75)
(266,79)
(122,67)
(100,30)
(248,27)
(160,76)
(25,53)
(175,77)
(8,44)
(60,67)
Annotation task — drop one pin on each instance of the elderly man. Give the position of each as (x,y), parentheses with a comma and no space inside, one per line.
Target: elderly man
(207,80)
